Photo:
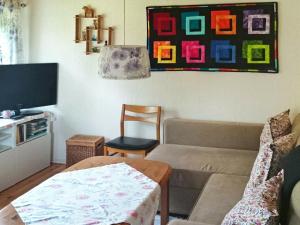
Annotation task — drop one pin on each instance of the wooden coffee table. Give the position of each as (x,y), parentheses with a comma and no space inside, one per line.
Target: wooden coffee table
(157,171)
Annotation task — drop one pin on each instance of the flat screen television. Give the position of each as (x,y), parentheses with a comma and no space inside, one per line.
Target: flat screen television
(24,86)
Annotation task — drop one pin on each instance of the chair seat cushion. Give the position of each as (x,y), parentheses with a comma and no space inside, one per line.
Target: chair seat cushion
(129,143)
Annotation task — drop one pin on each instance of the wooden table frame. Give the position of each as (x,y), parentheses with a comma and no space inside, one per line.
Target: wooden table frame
(157,171)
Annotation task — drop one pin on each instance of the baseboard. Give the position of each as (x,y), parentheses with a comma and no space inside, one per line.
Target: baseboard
(58,161)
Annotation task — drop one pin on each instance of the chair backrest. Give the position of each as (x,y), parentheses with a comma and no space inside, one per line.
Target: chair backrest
(148,114)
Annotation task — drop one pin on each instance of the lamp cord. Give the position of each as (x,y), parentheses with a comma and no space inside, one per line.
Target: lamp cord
(124,21)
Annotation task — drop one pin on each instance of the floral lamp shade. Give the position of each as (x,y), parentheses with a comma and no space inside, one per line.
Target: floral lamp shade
(124,62)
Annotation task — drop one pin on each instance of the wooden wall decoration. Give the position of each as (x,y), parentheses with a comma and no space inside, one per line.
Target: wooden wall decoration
(239,37)
(92,34)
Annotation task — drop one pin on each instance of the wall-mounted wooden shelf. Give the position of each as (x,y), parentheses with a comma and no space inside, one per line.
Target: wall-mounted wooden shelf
(86,34)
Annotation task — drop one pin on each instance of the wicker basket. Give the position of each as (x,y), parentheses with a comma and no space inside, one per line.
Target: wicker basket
(80,147)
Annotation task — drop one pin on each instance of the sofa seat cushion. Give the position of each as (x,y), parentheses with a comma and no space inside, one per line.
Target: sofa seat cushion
(182,200)
(219,196)
(192,165)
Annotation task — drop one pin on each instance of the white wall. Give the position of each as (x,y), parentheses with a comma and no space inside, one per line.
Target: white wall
(91,105)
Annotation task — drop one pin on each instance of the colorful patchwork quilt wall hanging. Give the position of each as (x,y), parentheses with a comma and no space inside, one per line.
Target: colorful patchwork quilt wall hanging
(220,37)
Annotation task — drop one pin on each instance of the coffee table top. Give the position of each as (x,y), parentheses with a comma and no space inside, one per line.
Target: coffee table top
(157,171)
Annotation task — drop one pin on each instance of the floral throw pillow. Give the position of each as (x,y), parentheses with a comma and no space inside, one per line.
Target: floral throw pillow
(281,147)
(266,135)
(260,169)
(281,124)
(259,208)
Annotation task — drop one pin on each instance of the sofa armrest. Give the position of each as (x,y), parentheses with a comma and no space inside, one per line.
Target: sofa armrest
(296,128)
(212,133)
(186,222)
(294,210)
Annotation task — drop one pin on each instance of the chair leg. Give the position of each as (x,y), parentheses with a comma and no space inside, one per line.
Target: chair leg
(105,151)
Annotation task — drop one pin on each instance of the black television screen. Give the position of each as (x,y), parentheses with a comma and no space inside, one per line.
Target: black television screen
(25,86)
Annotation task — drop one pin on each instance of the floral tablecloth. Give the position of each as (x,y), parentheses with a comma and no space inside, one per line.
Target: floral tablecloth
(102,195)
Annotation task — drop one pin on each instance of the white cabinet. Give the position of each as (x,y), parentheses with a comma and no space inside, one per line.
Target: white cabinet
(33,156)
(8,174)
(25,148)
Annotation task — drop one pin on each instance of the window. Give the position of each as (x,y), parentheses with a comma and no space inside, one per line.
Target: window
(11,50)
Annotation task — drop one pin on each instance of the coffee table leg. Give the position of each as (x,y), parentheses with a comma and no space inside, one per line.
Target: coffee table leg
(164,213)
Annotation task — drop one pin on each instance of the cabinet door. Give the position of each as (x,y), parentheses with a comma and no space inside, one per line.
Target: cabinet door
(7,169)
(33,156)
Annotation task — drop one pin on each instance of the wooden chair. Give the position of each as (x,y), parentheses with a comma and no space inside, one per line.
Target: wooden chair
(129,145)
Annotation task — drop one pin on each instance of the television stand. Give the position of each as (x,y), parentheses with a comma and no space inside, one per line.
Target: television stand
(25,148)
(31,112)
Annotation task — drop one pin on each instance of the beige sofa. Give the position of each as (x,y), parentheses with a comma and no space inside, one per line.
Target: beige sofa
(211,162)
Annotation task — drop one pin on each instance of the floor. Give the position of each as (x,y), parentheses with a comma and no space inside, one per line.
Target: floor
(22,187)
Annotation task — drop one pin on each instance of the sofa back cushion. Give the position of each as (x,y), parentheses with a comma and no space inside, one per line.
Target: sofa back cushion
(260,169)
(212,134)
(281,124)
(259,207)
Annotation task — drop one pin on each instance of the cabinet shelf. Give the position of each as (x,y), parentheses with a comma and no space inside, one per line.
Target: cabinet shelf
(4,136)
(86,17)
(37,136)
(32,138)
(3,129)
(38,130)
(4,148)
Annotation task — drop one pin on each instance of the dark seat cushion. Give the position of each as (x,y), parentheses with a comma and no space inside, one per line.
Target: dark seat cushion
(130,143)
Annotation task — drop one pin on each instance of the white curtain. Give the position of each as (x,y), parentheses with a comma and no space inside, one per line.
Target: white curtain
(11,49)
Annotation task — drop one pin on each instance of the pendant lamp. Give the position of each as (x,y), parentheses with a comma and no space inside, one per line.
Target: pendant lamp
(124,62)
